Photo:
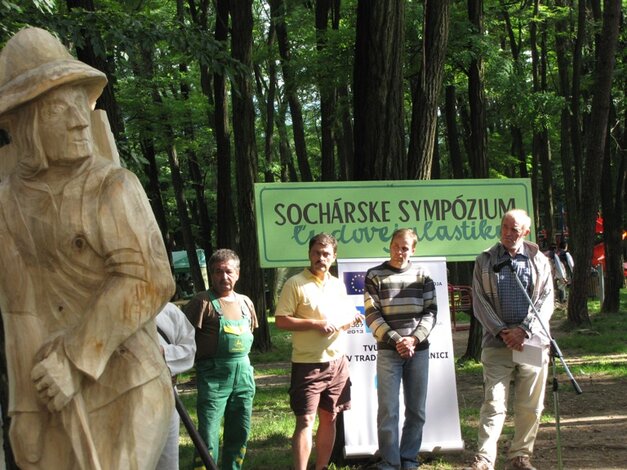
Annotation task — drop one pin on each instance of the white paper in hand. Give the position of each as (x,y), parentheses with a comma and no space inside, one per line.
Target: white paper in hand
(532,354)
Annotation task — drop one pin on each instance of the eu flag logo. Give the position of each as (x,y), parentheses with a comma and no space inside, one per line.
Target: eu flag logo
(355,282)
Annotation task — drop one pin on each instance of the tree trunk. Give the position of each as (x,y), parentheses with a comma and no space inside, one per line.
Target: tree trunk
(476,100)
(181,206)
(517,149)
(251,280)
(478,143)
(327,94)
(268,117)
(462,274)
(541,146)
(426,93)
(277,12)
(199,12)
(436,170)
(452,134)
(226,220)
(268,113)
(197,176)
(288,170)
(144,61)
(141,63)
(345,144)
(612,196)
(596,134)
(153,189)
(378,91)
(562,28)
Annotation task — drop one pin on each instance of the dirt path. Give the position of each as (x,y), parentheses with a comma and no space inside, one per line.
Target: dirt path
(593,425)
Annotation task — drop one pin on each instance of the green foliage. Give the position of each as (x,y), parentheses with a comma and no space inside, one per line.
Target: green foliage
(122,31)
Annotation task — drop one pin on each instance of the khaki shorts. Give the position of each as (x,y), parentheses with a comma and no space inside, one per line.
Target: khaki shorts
(323,385)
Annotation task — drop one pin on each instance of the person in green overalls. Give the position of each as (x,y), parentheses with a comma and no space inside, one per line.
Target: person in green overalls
(224,322)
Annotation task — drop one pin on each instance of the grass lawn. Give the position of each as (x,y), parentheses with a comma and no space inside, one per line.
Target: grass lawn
(589,351)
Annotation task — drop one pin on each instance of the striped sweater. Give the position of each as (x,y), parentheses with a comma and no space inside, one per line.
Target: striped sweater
(398,303)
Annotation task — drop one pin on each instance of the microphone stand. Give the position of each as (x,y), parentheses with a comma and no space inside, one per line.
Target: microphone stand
(554,352)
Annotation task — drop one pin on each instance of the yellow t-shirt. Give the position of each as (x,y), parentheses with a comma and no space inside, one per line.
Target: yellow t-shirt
(306,296)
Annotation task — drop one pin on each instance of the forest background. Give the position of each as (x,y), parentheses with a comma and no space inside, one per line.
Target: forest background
(207,97)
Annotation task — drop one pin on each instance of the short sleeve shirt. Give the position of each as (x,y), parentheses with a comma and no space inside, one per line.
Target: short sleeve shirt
(306,296)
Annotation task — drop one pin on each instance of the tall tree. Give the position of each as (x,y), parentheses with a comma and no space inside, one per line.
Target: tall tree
(151,168)
(426,89)
(160,124)
(345,144)
(266,93)
(196,173)
(476,98)
(226,220)
(583,215)
(378,91)
(327,93)
(612,203)
(478,150)
(613,181)
(251,280)
(288,170)
(541,148)
(278,11)
(344,121)
(452,134)
(517,144)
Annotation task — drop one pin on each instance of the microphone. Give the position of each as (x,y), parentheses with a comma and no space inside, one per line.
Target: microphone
(497,267)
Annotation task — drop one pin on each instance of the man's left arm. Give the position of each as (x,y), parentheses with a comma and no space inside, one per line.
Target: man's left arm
(374,312)
(543,298)
(179,353)
(254,322)
(429,313)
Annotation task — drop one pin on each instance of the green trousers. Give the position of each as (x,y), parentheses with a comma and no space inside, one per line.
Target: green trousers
(226,388)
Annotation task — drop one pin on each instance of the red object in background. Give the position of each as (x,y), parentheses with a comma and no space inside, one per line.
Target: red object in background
(598,252)
(598,255)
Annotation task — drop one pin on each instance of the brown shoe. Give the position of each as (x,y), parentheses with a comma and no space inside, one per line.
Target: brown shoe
(480,463)
(521,462)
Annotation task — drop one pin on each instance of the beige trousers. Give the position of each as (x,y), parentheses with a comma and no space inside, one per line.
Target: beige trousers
(529,383)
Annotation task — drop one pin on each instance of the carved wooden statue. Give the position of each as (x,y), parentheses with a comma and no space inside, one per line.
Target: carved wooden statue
(84,273)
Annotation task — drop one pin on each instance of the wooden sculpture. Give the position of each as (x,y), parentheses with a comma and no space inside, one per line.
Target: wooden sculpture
(84,274)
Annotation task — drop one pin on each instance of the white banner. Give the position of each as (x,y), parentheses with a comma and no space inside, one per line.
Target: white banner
(442,428)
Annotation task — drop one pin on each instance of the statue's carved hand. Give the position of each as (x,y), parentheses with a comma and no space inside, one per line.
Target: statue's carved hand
(26,437)
(56,379)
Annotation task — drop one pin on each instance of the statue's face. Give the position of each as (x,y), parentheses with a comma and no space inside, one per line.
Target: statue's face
(64,125)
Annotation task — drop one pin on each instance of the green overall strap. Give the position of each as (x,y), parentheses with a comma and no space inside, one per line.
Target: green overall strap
(215,302)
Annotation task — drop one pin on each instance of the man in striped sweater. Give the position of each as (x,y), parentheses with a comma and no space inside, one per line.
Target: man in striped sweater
(401,311)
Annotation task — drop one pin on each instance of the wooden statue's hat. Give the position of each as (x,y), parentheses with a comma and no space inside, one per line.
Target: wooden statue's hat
(33,62)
